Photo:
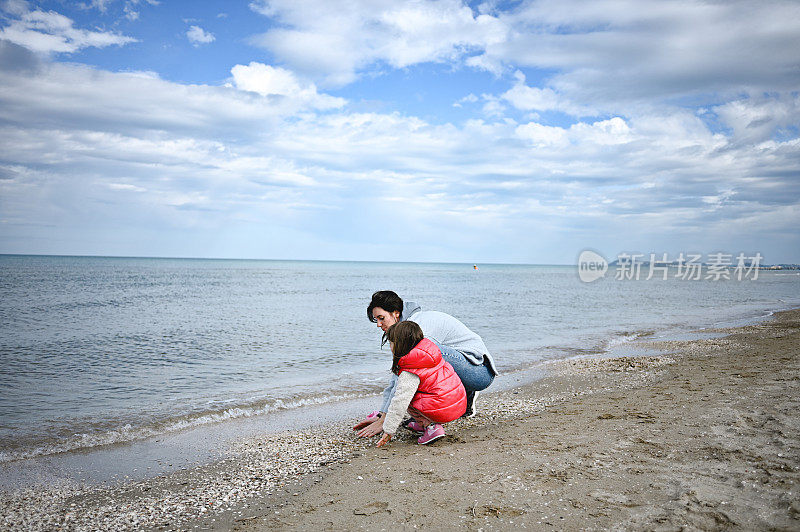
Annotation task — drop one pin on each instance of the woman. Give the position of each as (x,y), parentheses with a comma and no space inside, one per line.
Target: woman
(460,346)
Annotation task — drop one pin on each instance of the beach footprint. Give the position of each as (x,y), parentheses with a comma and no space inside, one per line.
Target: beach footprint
(372,508)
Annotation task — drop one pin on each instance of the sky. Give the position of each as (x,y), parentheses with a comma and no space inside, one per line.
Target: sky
(396,130)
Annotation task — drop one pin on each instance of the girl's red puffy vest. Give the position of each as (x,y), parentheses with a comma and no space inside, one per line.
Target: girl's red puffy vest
(440,396)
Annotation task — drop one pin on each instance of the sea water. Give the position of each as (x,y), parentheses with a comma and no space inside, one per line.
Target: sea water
(97,350)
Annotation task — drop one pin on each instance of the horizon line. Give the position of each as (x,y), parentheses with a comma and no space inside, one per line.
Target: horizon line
(275,260)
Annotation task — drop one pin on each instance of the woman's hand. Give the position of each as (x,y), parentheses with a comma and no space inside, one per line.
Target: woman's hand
(367,420)
(384,440)
(376,427)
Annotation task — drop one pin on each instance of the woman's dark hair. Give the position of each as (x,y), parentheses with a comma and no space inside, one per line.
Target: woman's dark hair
(387,300)
(403,336)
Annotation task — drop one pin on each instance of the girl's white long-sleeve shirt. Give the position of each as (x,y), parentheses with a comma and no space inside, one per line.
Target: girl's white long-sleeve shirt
(407,385)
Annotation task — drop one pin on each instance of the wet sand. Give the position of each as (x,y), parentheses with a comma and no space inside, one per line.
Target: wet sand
(705,437)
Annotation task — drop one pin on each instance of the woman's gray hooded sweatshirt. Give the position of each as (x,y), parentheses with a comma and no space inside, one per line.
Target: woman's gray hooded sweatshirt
(446,330)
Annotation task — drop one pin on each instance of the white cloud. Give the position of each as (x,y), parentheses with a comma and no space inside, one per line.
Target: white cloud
(528,98)
(614,53)
(50,32)
(130,8)
(597,134)
(493,107)
(100,5)
(271,163)
(756,120)
(532,98)
(221,161)
(334,41)
(601,57)
(603,132)
(469,98)
(16,7)
(198,36)
(267,80)
(125,186)
(74,97)
(543,136)
(130,13)
(482,62)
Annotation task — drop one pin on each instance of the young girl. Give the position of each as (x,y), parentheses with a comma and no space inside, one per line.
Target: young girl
(427,386)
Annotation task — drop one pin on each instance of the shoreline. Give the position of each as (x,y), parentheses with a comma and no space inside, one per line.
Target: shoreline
(260,476)
(197,444)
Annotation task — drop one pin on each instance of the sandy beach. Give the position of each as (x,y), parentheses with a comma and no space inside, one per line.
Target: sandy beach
(702,437)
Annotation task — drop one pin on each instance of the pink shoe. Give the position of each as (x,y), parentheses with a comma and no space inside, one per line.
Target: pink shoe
(432,433)
(414,426)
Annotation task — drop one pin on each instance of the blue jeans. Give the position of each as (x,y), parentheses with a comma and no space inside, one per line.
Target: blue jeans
(475,378)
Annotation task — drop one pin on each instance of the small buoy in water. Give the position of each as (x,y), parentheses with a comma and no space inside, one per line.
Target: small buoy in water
(474,266)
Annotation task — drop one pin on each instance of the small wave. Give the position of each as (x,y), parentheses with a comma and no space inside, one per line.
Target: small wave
(130,433)
(626,337)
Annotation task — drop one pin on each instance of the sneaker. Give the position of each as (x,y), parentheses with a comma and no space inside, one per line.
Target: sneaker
(471,410)
(432,433)
(413,426)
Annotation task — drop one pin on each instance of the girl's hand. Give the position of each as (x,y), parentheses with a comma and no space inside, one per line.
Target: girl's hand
(374,428)
(384,440)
